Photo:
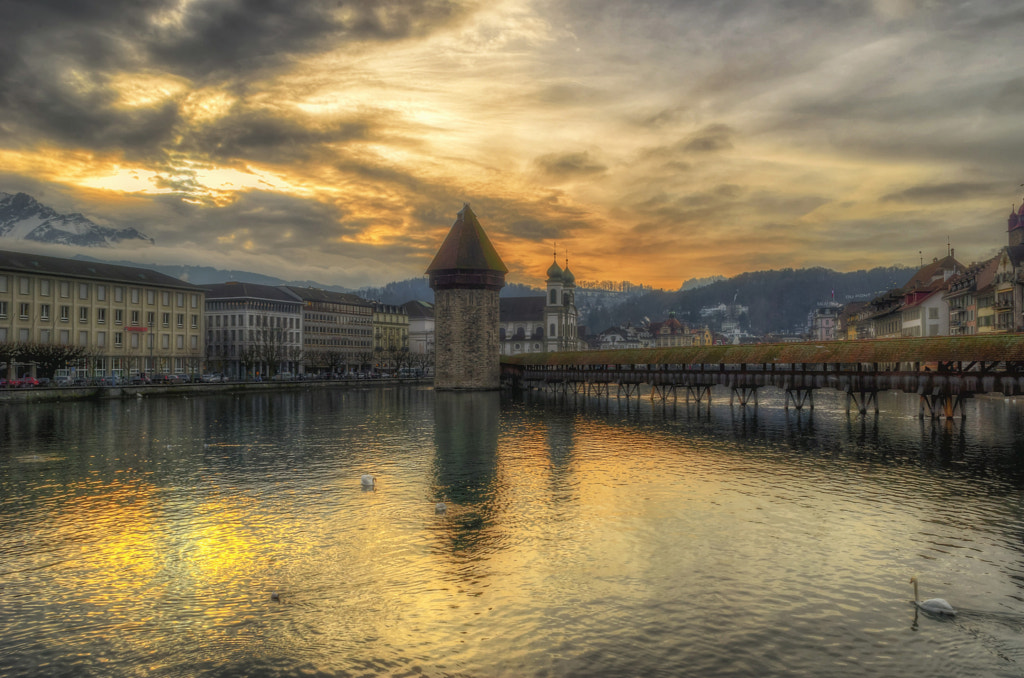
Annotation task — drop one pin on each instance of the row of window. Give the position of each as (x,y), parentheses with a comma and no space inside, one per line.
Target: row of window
(63,337)
(25,313)
(339,319)
(254,336)
(238,320)
(64,288)
(352,332)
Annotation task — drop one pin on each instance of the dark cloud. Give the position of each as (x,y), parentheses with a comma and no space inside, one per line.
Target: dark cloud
(711,138)
(58,59)
(85,119)
(534,229)
(215,35)
(262,135)
(951,192)
(568,165)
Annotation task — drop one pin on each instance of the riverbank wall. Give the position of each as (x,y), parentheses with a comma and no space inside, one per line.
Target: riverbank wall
(63,393)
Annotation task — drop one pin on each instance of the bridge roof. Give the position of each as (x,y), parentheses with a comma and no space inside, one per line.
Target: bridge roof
(995,347)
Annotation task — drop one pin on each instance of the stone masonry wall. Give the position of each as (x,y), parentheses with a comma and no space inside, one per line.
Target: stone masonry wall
(466,340)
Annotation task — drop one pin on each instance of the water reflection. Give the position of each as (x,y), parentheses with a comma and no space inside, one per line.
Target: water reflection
(583,537)
(466,466)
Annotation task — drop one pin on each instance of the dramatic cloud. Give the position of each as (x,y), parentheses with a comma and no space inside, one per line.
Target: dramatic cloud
(659,139)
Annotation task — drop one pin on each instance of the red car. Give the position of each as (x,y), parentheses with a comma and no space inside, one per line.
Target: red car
(25,382)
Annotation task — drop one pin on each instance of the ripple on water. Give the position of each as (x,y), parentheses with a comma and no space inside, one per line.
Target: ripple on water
(578,542)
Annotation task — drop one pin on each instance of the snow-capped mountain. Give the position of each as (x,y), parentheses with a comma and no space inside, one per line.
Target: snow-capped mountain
(23,218)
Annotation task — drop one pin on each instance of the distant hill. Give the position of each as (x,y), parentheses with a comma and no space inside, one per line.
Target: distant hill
(776,301)
(419,289)
(207,275)
(397,292)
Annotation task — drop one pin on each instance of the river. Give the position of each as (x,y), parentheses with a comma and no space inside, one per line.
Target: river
(230,535)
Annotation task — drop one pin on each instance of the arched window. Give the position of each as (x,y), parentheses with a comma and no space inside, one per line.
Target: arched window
(554,297)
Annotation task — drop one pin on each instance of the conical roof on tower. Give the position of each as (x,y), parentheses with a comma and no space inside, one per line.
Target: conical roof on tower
(467,247)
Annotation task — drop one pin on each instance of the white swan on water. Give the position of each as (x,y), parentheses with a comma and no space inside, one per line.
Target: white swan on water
(368,482)
(934,605)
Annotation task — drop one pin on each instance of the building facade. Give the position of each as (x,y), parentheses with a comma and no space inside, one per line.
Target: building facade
(124,320)
(253,331)
(421,327)
(337,330)
(522,325)
(390,336)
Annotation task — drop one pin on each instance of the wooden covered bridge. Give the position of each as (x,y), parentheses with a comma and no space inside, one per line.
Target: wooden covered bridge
(943,371)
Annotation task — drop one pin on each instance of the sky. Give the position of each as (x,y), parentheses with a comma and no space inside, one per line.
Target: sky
(645,140)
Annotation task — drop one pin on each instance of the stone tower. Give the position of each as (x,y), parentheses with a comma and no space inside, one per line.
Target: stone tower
(466,276)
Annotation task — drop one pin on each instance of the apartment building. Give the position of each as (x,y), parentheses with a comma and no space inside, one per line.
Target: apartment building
(253,331)
(337,330)
(124,320)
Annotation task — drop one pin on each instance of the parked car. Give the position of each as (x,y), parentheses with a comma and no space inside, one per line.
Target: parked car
(25,382)
(213,378)
(44,381)
(139,380)
(283,376)
(182,377)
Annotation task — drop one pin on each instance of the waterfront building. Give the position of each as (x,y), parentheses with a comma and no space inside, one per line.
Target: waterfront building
(253,331)
(466,275)
(337,330)
(1006,290)
(962,297)
(902,312)
(390,335)
(421,326)
(125,320)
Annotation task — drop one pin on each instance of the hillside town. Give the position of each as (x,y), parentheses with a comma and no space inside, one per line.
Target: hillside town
(70,320)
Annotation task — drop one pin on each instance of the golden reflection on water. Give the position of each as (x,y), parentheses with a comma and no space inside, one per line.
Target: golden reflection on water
(564,532)
(117,538)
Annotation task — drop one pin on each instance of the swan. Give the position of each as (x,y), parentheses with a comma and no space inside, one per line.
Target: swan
(934,605)
(368,481)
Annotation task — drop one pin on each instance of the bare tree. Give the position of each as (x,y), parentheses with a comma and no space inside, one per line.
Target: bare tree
(248,357)
(51,357)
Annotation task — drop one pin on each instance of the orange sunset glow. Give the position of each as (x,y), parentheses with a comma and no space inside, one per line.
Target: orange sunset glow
(652,141)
